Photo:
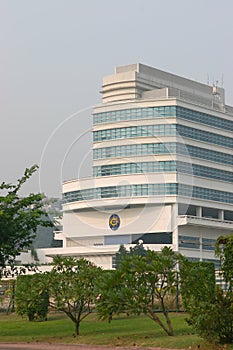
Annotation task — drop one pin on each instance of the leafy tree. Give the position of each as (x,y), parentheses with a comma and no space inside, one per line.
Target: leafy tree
(30,298)
(19,219)
(122,252)
(140,285)
(138,249)
(210,308)
(72,287)
(197,282)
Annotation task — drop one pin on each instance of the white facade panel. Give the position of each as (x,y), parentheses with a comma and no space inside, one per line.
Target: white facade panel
(95,223)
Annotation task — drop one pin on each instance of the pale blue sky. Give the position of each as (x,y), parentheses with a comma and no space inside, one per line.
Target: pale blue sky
(54,53)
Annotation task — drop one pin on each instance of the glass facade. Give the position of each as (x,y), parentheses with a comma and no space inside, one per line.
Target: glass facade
(203,153)
(134,168)
(135,131)
(141,190)
(205,136)
(135,150)
(162,148)
(134,114)
(208,244)
(161,112)
(189,242)
(164,166)
(194,242)
(162,130)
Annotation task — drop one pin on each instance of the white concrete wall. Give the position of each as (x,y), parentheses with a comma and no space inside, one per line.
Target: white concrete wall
(94,223)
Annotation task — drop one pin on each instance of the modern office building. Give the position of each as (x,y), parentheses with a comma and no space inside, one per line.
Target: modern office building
(162,169)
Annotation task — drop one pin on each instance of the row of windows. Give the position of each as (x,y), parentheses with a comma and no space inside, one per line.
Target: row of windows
(164,166)
(162,130)
(204,118)
(204,171)
(161,148)
(205,193)
(134,113)
(135,150)
(135,131)
(208,154)
(149,190)
(196,243)
(134,168)
(161,112)
(120,191)
(205,136)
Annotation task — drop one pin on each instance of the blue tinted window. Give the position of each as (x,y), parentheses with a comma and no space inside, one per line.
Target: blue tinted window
(162,148)
(162,130)
(161,112)
(151,190)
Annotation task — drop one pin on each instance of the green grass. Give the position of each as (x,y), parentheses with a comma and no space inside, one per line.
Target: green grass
(122,331)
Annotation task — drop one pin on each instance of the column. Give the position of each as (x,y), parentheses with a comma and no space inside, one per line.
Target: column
(199,212)
(221,214)
(174,225)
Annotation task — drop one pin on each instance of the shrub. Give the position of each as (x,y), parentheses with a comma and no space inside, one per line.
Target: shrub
(214,320)
(31,299)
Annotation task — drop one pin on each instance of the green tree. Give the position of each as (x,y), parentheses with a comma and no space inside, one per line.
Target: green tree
(140,285)
(72,287)
(31,299)
(138,249)
(197,282)
(19,219)
(210,308)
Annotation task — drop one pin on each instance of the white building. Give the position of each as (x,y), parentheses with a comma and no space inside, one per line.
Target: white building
(162,169)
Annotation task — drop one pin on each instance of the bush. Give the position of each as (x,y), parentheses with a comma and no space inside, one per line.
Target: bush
(214,320)
(31,299)
(210,308)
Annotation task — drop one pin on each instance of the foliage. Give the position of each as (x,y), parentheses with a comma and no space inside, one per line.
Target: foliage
(210,308)
(19,219)
(224,250)
(34,254)
(31,299)
(213,319)
(14,271)
(138,249)
(72,287)
(140,286)
(197,282)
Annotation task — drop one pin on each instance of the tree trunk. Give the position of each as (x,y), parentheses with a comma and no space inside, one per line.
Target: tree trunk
(170,329)
(76,331)
(157,320)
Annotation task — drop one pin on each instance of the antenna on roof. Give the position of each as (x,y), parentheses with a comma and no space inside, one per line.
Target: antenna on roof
(215,88)
(222,81)
(208,79)
(217,101)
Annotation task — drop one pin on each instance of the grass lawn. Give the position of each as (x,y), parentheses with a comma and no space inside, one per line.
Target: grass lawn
(122,331)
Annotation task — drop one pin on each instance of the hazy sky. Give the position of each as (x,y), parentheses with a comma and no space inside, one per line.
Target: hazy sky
(54,53)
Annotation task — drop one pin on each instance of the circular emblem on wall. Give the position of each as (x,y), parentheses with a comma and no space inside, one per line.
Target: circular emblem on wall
(114,222)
